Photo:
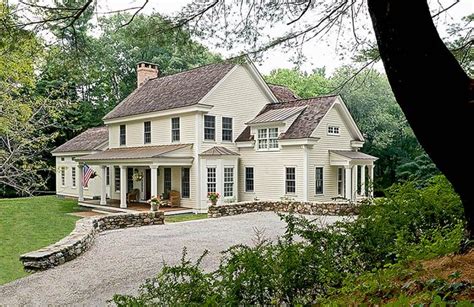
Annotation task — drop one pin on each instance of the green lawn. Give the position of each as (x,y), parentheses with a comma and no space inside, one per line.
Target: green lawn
(27,224)
(184,217)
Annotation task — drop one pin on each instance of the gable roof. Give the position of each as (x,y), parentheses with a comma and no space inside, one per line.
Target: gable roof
(305,123)
(282,93)
(276,115)
(174,91)
(88,140)
(219,151)
(132,152)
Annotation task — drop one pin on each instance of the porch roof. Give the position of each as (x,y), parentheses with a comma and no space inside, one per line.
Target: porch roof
(357,155)
(348,157)
(124,153)
(219,151)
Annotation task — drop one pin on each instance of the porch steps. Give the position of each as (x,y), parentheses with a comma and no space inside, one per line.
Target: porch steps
(110,209)
(177,212)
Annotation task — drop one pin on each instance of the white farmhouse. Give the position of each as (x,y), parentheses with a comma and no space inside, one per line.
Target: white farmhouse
(217,128)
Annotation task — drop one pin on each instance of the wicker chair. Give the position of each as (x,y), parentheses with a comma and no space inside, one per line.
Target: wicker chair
(133,195)
(174,198)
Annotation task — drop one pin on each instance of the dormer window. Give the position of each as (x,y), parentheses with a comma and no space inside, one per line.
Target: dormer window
(267,138)
(333,130)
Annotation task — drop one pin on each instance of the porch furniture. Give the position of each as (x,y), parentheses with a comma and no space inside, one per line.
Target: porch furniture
(133,195)
(174,198)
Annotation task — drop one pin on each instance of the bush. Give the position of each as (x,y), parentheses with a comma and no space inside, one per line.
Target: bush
(310,263)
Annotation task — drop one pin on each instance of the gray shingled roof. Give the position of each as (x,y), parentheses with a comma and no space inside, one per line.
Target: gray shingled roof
(282,93)
(276,115)
(86,141)
(174,91)
(357,155)
(132,152)
(219,151)
(305,123)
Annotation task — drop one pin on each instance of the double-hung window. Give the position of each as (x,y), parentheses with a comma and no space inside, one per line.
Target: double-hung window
(227,129)
(209,127)
(228,181)
(107,175)
(211,179)
(185,182)
(73,176)
(340,181)
(249,180)
(147,132)
(319,181)
(175,135)
(123,135)
(290,182)
(267,138)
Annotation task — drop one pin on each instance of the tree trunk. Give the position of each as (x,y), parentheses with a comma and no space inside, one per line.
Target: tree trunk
(432,89)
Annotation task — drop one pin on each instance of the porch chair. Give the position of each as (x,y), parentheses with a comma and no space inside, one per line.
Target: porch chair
(133,195)
(174,198)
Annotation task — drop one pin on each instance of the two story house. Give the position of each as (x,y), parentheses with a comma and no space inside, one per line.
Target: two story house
(218,128)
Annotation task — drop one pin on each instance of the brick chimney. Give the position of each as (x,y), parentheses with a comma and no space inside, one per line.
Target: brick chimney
(146,71)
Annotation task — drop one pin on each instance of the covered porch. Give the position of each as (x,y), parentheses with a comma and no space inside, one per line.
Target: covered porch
(355,173)
(130,176)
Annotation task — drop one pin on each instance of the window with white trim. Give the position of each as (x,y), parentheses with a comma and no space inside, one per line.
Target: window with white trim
(333,130)
(227,129)
(147,132)
(319,181)
(73,176)
(167,180)
(290,182)
(107,175)
(228,181)
(340,181)
(185,182)
(267,138)
(209,127)
(63,176)
(211,179)
(123,135)
(249,180)
(175,137)
(117,179)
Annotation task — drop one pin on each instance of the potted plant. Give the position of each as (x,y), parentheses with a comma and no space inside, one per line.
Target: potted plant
(213,197)
(154,202)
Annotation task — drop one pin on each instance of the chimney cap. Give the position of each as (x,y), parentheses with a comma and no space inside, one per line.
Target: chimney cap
(147,65)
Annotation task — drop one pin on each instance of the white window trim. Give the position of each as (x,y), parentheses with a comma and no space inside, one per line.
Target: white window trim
(179,130)
(62,175)
(342,181)
(183,167)
(207,177)
(315,180)
(296,187)
(224,182)
(204,129)
(334,133)
(120,135)
(268,139)
(144,132)
(245,179)
(231,130)
(73,181)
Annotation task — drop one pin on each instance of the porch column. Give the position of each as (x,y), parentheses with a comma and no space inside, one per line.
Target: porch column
(154,180)
(348,183)
(80,186)
(371,180)
(362,180)
(354,182)
(123,186)
(103,185)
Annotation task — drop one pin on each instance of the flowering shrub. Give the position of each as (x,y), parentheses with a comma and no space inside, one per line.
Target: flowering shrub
(154,200)
(213,196)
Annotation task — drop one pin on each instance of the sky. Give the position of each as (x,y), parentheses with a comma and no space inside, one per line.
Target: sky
(318,53)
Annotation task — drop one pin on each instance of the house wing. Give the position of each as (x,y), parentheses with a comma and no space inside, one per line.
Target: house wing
(90,140)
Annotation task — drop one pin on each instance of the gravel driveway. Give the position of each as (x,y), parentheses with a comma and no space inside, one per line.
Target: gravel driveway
(120,260)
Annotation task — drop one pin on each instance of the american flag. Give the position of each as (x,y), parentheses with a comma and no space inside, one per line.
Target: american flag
(87,175)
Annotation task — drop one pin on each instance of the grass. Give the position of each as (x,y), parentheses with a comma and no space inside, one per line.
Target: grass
(184,217)
(27,224)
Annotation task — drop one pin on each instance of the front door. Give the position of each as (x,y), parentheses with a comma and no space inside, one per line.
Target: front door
(148,184)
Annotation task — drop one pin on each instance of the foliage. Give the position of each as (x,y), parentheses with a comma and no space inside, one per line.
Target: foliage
(213,196)
(303,84)
(311,263)
(27,119)
(27,224)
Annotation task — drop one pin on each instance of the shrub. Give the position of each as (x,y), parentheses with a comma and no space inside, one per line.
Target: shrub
(311,262)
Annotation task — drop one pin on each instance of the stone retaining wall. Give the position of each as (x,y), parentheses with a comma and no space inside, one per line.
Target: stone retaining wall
(82,237)
(311,208)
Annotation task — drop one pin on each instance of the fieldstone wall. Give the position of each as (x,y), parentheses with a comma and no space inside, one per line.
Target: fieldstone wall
(310,208)
(82,237)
